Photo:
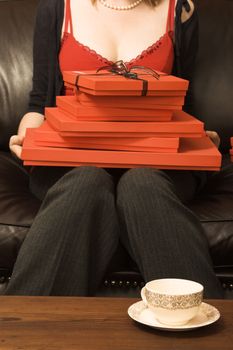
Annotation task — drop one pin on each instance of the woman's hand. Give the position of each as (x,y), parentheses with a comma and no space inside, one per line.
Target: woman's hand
(29,120)
(214,137)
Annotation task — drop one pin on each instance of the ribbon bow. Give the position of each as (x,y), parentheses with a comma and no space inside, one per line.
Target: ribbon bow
(120,68)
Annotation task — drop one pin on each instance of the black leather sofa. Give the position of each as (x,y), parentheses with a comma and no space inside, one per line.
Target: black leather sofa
(213,103)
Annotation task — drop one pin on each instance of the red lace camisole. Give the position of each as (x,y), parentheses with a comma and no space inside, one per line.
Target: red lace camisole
(76,56)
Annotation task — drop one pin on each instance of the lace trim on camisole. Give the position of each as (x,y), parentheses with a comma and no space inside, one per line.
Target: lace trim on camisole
(140,56)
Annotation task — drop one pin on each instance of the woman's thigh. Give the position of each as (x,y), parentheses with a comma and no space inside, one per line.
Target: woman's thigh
(41,179)
(185,185)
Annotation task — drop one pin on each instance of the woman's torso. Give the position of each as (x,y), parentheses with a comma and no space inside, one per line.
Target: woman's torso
(96,36)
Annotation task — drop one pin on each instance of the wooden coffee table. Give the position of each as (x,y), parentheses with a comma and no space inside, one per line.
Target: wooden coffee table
(38,323)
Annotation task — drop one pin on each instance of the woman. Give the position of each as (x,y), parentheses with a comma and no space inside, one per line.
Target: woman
(86,210)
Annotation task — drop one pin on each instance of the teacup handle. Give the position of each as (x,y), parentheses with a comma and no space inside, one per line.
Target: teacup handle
(144,296)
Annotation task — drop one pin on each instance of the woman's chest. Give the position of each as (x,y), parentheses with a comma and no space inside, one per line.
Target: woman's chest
(118,34)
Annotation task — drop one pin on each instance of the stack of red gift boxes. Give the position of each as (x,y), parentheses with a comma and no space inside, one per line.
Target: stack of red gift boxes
(108,123)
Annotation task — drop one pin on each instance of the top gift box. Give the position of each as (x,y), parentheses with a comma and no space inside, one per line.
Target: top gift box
(107,83)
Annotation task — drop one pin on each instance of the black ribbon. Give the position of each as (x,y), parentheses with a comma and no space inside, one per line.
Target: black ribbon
(120,68)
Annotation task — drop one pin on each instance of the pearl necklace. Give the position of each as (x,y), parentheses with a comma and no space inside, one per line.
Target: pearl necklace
(120,8)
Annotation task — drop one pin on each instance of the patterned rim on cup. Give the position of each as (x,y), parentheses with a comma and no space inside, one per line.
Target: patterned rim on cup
(174,302)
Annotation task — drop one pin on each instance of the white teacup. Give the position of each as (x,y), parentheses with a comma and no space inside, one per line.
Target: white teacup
(174,301)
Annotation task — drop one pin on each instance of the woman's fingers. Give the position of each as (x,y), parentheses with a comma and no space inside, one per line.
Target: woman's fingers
(214,137)
(15,145)
(17,150)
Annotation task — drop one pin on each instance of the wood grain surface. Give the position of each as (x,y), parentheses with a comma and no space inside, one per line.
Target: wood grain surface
(39,323)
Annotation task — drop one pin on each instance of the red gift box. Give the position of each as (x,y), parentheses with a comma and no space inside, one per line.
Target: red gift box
(131,93)
(106,83)
(70,105)
(142,102)
(45,135)
(100,165)
(73,90)
(194,154)
(182,124)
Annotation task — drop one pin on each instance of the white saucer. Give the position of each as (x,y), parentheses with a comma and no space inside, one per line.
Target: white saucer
(207,314)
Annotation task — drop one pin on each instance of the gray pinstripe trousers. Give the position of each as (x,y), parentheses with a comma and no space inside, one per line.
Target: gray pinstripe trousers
(84,213)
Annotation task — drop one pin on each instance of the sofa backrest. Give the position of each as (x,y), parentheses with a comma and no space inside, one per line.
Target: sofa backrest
(213,80)
(16,34)
(213,85)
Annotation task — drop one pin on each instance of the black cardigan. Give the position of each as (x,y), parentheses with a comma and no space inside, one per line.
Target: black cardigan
(47,78)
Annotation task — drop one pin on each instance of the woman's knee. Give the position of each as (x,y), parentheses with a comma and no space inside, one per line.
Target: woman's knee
(84,180)
(143,181)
